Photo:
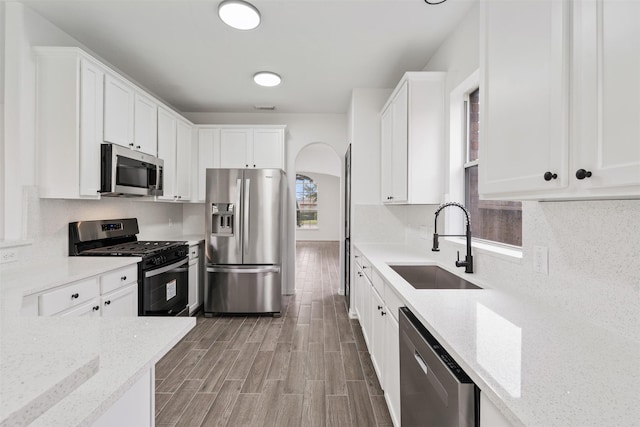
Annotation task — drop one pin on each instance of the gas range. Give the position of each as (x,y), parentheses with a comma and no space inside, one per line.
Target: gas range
(162,275)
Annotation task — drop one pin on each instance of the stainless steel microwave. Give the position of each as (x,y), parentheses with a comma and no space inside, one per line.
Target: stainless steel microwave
(129,173)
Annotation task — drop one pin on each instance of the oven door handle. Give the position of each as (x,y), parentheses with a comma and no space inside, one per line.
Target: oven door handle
(243,270)
(153,273)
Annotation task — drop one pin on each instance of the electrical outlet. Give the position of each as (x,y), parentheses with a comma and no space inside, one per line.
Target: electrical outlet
(541,259)
(8,255)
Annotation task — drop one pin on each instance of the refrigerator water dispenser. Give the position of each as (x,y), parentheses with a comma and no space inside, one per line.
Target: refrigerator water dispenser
(222,219)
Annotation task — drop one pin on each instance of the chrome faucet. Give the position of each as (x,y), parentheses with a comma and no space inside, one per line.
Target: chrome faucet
(468,259)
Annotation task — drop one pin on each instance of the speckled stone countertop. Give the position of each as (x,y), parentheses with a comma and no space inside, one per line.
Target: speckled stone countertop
(539,366)
(68,371)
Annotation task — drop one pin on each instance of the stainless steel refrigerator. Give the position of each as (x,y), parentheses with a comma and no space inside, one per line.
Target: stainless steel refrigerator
(244,240)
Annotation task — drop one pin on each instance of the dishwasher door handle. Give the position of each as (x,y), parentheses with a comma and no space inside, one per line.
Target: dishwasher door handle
(423,365)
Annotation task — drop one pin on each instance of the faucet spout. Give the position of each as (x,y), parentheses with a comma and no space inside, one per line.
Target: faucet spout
(468,260)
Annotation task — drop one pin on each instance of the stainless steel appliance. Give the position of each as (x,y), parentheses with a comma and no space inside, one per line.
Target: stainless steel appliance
(244,240)
(347,226)
(434,390)
(129,173)
(163,273)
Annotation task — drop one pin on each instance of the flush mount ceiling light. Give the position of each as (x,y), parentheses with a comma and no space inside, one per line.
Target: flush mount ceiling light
(239,14)
(267,78)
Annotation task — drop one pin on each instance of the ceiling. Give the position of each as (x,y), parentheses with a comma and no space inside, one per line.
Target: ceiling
(182,52)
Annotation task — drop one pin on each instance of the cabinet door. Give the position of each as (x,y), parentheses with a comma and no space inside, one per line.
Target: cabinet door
(391,384)
(524,94)
(607,93)
(91,126)
(167,125)
(183,160)
(377,341)
(145,125)
(386,163)
(88,309)
(121,303)
(208,157)
(268,149)
(234,147)
(399,150)
(194,278)
(118,111)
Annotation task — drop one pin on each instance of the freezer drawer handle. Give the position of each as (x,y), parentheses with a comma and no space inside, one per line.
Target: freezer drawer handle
(243,270)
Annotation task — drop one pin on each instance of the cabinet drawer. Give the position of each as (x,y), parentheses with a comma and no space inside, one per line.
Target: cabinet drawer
(90,308)
(366,268)
(392,301)
(118,278)
(193,252)
(69,296)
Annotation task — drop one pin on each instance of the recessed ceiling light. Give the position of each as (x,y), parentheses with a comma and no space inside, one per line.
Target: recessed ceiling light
(267,78)
(239,14)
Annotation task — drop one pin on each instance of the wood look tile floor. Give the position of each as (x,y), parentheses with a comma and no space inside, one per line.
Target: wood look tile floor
(309,367)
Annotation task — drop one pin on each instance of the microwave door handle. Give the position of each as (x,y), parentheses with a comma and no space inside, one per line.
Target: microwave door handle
(245,215)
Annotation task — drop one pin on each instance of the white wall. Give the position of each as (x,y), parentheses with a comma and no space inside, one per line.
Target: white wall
(42,221)
(329,197)
(319,158)
(594,246)
(302,130)
(2,74)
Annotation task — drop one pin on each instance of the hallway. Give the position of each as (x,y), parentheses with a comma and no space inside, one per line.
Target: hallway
(309,367)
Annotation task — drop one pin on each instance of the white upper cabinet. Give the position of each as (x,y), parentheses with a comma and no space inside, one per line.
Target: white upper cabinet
(261,148)
(208,156)
(606,97)
(130,117)
(558,120)
(174,148)
(412,140)
(234,147)
(69,98)
(119,104)
(145,124)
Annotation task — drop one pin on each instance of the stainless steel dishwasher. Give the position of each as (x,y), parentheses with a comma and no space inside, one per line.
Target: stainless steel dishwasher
(434,390)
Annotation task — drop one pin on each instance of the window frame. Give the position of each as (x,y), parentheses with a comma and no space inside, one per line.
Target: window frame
(459,162)
(307,178)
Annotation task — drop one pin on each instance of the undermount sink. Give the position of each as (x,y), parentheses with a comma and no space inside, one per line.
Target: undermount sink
(431,277)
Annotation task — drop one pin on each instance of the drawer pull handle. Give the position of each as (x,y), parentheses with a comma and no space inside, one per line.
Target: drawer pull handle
(107,302)
(123,278)
(75,296)
(96,308)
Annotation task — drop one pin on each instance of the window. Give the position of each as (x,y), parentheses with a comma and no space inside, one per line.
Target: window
(306,202)
(496,221)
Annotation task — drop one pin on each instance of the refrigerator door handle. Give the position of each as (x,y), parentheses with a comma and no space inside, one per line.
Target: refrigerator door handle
(240,270)
(237,213)
(245,215)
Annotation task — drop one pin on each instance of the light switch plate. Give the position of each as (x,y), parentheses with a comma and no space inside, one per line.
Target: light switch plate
(541,259)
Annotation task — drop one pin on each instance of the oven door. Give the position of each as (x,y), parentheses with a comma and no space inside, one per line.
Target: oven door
(165,290)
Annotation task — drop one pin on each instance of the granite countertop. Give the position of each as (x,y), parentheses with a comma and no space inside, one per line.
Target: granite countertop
(539,366)
(68,371)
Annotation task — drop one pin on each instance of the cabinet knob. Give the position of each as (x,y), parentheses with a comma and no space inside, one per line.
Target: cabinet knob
(582,174)
(137,147)
(123,278)
(75,296)
(246,166)
(359,274)
(96,307)
(379,307)
(107,302)
(382,313)
(364,266)
(548,176)
(131,145)
(254,166)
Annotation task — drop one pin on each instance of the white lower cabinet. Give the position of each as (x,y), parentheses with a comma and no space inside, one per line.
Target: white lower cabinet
(379,323)
(135,407)
(490,415)
(112,294)
(391,368)
(120,303)
(195,276)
